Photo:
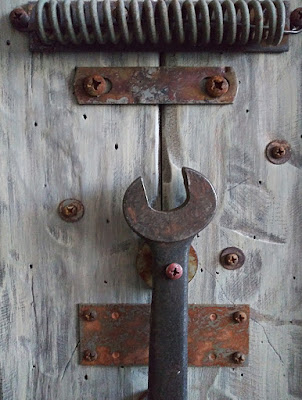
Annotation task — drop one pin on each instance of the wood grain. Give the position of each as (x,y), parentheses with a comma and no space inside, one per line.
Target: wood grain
(259,211)
(53,149)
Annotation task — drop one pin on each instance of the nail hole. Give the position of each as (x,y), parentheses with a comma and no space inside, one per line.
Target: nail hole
(201,270)
(241,374)
(254,237)
(290,322)
(34,366)
(294,277)
(239,82)
(86,377)
(31,266)
(36,124)
(247,111)
(107,220)
(217,272)
(105,282)
(45,185)
(116,146)
(85,116)
(260,182)
(198,235)
(8,42)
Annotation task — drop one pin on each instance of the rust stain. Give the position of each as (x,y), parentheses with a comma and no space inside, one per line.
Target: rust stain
(125,340)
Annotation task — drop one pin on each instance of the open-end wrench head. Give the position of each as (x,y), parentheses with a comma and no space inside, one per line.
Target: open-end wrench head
(174,225)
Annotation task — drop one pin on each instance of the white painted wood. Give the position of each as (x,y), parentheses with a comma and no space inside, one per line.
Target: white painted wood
(48,266)
(53,149)
(259,211)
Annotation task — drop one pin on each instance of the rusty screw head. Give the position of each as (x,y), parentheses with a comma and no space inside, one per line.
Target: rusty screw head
(238,358)
(240,317)
(71,210)
(95,85)
(89,315)
(296,19)
(19,19)
(232,258)
(216,86)
(278,151)
(174,271)
(90,355)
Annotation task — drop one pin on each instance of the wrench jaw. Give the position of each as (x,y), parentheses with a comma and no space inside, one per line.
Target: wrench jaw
(174,225)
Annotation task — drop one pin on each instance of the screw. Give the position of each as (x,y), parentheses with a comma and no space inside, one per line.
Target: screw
(115,355)
(296,19)
(174,271)
(216,86)
(90,355)
(278,151)
(71,210)
(89,315)
(19,19)
(239,317)
(238,358)
(95,85)
(115,315)
(232,259)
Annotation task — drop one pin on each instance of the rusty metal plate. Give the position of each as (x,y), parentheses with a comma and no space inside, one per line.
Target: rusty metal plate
(118,334)
(153,85)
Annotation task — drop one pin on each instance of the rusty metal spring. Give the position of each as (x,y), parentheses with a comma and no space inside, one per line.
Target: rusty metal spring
(194,22)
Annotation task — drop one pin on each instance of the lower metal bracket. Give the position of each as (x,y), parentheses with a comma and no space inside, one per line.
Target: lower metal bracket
(118,335)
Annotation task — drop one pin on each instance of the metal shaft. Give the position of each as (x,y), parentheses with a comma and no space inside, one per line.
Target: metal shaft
(168,352)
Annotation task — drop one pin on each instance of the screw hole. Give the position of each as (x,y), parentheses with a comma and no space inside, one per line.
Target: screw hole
(201,270)
(85,116)
(294,277)
(86,377)
(36,124)
(116,146)
(8,42)
(247,111)
(31,266)
(254,237)
(260,182)
(241,374)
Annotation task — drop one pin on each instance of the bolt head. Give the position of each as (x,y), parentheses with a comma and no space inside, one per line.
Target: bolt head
(216,86)
(95,85)
(19,19)
(296,19)
(238,358)
(90,355)
(174,271)
(240,317)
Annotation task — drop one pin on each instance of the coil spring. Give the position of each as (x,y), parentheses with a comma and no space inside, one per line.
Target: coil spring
(197,23)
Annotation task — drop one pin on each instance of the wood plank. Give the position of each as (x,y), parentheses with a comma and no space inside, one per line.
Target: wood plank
(259,211)
(53,149)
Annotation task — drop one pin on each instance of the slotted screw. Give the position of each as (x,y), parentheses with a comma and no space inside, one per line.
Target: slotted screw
(240,317)
(174,271)
(216,86)
(238,358)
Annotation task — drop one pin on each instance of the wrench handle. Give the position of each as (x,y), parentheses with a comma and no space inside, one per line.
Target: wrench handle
(168,349)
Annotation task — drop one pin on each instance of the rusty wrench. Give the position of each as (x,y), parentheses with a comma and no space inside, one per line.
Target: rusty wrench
(169,234)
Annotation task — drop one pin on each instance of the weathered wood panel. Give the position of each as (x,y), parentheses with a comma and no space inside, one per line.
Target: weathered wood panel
(259,211)
(53,149)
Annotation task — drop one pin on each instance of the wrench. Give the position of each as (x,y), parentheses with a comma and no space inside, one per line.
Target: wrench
(169,235)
